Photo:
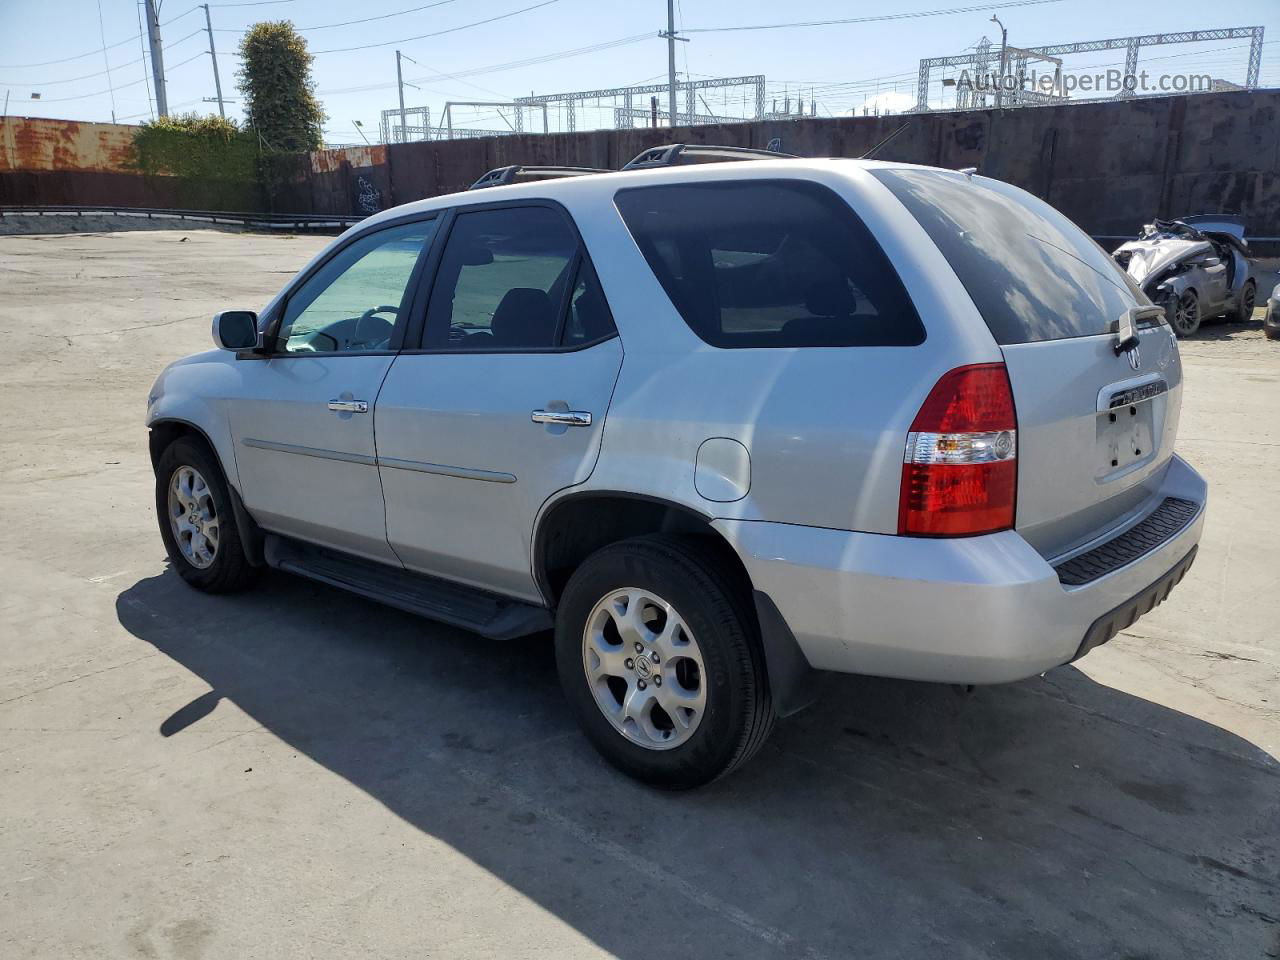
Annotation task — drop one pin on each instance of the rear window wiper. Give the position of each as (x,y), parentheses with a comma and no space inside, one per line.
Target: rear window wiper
(1127,327)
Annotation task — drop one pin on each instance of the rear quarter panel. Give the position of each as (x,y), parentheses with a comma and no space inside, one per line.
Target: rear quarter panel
(825,427)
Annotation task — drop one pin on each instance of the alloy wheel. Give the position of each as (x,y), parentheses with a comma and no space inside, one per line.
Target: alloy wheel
(645,668)
(1248,300)
(193,518)
(1186,315)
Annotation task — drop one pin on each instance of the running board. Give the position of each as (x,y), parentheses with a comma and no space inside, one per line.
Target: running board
(487,614)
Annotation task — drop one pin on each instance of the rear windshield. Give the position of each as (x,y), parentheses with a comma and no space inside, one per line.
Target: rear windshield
(770,263)
(1033,274)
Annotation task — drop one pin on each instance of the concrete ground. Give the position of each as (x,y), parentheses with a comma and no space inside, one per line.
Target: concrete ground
(299,773)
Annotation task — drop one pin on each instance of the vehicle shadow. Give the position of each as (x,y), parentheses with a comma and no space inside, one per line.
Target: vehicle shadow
(1051,818)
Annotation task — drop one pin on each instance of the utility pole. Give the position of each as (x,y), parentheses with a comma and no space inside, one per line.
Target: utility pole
(1004,47)
(213,52)
(400,86)
(671,60)
(157,58)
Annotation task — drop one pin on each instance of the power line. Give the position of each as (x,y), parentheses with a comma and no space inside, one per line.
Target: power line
(498,67)
(384,16)
(465,26)
(79,56)
(887,16)
(102,33)
(253,3)
(98,73)
(123,86)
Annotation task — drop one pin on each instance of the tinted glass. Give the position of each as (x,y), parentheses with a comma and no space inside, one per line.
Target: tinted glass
(589,318)
(502,280)
(351,304)
(770,263)
(1033,274)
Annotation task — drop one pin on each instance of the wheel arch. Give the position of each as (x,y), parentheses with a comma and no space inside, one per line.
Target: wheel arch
(163,433)
(572,528)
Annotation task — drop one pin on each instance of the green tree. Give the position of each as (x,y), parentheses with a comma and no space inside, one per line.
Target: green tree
(275,78)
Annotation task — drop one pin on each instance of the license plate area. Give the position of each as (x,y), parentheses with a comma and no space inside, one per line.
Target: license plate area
(1126,436)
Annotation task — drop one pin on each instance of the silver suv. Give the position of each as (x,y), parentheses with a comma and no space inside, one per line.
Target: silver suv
(723,426)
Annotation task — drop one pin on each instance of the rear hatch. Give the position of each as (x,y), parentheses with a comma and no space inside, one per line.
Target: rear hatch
(1096,425)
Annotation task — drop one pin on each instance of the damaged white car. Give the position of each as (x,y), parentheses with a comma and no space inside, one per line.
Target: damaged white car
(1196,268)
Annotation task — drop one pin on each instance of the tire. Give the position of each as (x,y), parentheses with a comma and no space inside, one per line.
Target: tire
(716,618)
(1243,311)
(223,567)
(1186,314)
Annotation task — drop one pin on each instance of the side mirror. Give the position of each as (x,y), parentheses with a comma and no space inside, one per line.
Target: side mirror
(235,330)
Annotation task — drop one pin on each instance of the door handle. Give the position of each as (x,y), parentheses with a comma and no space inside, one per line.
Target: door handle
(349,406)
(566,418)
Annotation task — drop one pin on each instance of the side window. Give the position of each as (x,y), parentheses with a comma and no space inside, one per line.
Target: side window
(589,318)
(770,263)
(502,281)
(352,303)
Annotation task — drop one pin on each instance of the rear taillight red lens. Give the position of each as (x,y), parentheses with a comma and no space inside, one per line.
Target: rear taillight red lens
(960,471)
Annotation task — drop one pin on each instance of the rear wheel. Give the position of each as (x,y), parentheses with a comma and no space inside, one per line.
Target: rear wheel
(1186,314)
(658,652)
(197,524)
(1243,312)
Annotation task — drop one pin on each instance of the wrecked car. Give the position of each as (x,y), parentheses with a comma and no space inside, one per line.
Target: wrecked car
(1271,322)
(1196,268)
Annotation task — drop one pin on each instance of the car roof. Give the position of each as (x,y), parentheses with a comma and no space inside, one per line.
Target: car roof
(602,186)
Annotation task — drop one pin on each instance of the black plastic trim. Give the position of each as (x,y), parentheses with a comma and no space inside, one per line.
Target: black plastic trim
(1166,521)
(542,525)
(489,614)
(1122,617)
(793,683)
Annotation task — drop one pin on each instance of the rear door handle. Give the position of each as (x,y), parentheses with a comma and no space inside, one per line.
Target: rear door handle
(567,418)
(349,406)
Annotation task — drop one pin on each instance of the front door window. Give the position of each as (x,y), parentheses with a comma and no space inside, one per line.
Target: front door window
(353,302)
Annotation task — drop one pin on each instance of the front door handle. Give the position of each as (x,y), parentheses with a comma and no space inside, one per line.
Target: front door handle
(349,406)
(567,418)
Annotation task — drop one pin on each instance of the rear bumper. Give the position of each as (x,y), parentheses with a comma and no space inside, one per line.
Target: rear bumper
(968,610)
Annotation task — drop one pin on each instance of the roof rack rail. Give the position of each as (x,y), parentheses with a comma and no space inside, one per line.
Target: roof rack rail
(675,154)
(518,172)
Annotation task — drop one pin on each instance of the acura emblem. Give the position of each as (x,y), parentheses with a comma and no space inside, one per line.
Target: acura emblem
(1135,358)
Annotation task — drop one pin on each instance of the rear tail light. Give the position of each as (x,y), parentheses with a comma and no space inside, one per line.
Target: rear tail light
(960,471)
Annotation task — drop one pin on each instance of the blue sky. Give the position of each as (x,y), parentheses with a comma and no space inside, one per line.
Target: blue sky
(843,67)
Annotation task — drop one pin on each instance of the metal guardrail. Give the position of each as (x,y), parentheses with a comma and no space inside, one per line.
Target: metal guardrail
(267,221)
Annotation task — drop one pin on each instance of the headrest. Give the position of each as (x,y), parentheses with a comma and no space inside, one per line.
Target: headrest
(524,318)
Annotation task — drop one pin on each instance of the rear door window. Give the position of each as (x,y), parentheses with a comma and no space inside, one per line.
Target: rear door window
(1032,273)
(770,263)
(503,281)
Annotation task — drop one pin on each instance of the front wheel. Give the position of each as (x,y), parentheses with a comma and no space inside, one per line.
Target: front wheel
(197,524)
(659,655)
(1186,314)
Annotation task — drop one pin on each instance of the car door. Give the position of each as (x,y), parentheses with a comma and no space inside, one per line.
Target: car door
(1215,292)
(302,419)
(504,402)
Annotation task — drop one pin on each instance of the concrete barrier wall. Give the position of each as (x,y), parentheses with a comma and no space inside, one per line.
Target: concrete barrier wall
(1109,166)
(44,161)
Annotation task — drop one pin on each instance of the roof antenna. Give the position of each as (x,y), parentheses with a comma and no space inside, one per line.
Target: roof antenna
(876,148)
